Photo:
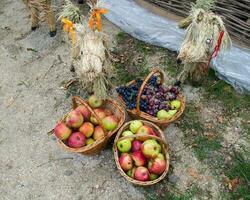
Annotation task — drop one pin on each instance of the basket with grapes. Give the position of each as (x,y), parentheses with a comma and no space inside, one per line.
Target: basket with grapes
(151,100)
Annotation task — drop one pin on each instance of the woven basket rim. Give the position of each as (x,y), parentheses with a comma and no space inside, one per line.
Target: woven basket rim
(147,116)
(165,150)
(97,142)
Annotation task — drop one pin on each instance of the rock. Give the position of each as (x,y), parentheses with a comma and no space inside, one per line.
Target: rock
(173,178)
(68,173)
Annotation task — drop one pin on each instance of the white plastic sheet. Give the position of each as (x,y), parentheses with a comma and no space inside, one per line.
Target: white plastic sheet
(233,66)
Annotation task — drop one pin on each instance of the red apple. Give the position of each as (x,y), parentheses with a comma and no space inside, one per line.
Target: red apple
(150,148)
(87,129)
(126,162)
(100,113)
(144,130)
(76,140)
(157,166)
(74,119)
(142,174)
(136,145)
(139,158)
(98,133)
(84,111)
(108,112)
(62,131)
(110,123)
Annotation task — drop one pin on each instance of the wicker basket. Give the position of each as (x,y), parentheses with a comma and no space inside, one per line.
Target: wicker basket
(137,113)
(160,138)
(98,145)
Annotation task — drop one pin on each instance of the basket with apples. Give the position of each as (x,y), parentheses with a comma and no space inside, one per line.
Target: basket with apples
(141,153)
(89,125)
(149,99)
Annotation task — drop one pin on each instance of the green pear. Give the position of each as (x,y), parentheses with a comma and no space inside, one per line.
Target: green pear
(175,104)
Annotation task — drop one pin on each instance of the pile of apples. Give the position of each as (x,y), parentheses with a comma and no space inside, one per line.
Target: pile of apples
(81,128)
(140,157)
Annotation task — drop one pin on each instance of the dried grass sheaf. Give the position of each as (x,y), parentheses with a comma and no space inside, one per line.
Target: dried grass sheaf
(201,38)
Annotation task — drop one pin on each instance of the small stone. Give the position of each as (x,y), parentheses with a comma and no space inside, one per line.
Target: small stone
(68,173)
(173,178)
(96,186)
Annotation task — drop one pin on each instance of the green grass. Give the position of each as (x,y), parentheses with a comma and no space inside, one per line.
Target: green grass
(240,167)
(173,194)
(191,120)
(204,146)
(121,37)
(220,90)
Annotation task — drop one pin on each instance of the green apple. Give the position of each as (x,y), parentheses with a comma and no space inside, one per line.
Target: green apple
(128,133)
(110,123)
(131,173)
(151,148)
(124,145)
(90,141)
(161,156)
(94,102)
(135,125)
(153,177)
(175,104)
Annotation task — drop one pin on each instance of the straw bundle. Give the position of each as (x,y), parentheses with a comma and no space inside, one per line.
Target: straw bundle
(200,41)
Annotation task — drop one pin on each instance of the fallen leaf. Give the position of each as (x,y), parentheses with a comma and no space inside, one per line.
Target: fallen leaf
(231,184)
(192,172)
(9,102)
(220,119)
(209,135)
(209,125)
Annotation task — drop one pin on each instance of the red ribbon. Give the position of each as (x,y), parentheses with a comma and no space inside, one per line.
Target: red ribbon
(217,47)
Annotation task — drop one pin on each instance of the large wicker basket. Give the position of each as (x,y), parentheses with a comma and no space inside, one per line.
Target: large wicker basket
(137,113)
(160,138)
(98,145)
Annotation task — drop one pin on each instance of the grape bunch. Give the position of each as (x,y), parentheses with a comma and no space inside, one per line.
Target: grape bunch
(154,97)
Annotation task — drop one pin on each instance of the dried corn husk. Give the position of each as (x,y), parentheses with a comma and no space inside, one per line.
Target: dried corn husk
(92,63)
(71,12)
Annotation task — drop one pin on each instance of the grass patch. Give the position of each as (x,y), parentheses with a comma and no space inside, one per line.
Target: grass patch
(202,145)
(173,194)
(205,146)
(191,120)
(220,90)
(240,167)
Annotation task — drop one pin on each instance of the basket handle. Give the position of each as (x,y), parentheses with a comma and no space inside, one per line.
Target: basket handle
(163,142)
(76,99)
(155,70)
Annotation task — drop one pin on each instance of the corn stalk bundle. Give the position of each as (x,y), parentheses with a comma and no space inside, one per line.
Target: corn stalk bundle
(91,57)
(71,12)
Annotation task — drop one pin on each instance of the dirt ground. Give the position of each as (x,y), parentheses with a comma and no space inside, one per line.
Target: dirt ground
(34,66)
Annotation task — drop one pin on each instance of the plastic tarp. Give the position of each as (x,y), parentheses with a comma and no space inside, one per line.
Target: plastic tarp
(232,66)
